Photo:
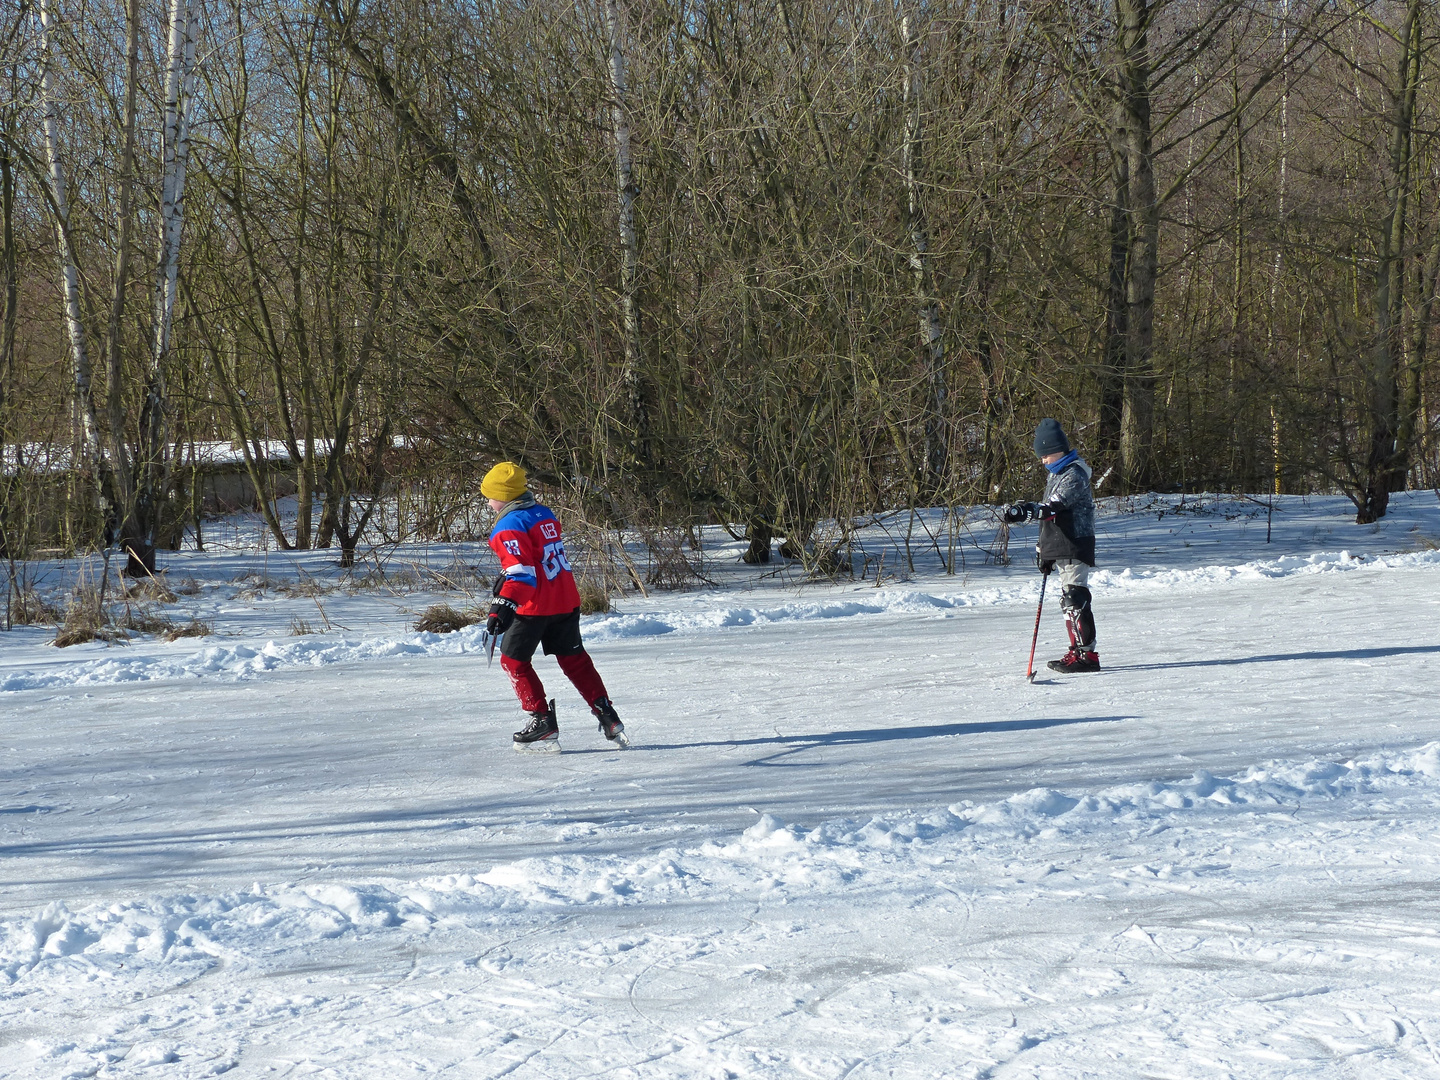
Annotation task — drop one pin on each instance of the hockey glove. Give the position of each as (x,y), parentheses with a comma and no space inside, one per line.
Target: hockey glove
(502,614)
(1014,514)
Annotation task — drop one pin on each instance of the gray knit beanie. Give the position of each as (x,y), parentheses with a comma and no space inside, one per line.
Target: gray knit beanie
(1050,438)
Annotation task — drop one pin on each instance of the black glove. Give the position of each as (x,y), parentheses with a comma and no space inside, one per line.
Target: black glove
(502,614)
(1045,565)
(1014,513)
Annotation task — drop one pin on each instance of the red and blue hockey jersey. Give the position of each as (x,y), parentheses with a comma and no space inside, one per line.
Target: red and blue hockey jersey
(532,558)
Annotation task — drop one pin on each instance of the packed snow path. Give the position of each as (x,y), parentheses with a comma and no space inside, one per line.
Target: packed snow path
(841,847)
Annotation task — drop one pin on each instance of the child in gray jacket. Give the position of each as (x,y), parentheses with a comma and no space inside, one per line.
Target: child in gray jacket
(1067,539)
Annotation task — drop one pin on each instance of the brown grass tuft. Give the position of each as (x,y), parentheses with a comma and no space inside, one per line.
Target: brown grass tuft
(151,588)
(594,596)
(194,628)
(444,619)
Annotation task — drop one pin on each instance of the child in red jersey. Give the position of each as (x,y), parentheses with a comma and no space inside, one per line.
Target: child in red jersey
(537,603)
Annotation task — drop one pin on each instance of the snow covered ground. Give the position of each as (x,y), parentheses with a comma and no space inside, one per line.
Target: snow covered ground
(850,840)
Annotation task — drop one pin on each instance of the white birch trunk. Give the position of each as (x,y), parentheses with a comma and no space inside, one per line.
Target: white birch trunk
(69,270)
(153,467)
(932,341)
(629,246)
(180,68)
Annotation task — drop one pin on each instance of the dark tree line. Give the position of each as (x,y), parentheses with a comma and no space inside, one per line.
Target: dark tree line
(768,264)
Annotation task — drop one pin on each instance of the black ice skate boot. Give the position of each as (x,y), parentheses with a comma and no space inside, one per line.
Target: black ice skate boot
(1077,659)
(542,733)
(610,725)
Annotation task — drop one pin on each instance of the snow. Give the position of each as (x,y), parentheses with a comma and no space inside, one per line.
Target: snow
(850,840)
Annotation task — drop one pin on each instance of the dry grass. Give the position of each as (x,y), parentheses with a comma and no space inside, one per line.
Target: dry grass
(144,621)
(1423,542)
(85,621)
(151,588)
(194,628)
(255,586)
(444,619)
(395,581)
(594,596)
(299,627)
(29,607)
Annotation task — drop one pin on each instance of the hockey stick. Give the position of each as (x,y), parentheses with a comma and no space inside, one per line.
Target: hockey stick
(1030,666)
(488,641)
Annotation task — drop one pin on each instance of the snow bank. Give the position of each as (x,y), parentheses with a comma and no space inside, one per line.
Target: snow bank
(902,854)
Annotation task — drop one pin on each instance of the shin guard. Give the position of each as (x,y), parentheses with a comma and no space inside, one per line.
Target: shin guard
(1079,620)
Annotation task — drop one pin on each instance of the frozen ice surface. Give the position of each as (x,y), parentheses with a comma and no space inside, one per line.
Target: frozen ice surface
(849,841)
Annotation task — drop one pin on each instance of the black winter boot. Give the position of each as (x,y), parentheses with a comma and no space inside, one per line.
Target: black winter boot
(1077,659)
(1080,625)
(542,733)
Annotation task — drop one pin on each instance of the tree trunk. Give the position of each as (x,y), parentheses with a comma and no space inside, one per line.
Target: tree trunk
(9,317)
(932,342)
(1373,500)
(114,334)
(89,434)
(1137,426)
(637,399)
(1112,363)
(152,466)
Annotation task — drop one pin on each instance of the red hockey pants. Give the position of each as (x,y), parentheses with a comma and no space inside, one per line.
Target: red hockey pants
(578,668)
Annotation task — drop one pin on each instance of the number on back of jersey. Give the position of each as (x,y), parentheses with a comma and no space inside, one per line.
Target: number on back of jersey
(553,560)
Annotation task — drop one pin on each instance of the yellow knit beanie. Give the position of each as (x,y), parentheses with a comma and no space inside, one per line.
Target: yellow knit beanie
(505,481)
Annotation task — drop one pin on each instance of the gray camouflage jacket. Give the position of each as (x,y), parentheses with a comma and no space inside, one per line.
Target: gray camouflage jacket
(1070,532)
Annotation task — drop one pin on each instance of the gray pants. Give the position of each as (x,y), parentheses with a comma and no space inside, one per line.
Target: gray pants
(1073,572)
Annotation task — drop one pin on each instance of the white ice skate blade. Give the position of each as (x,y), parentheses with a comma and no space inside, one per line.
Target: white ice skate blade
(543,746)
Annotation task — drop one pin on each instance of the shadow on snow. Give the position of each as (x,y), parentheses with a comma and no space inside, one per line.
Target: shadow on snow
(1280,658)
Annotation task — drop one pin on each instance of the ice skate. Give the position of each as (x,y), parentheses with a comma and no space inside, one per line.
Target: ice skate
(610,725)
(542,734)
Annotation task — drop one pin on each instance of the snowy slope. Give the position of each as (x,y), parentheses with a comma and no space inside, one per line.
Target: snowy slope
(850,841)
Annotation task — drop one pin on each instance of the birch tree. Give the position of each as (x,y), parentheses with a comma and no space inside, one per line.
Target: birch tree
(152,466)
(87,443)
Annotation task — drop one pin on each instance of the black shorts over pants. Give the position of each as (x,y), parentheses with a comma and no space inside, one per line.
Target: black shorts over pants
(559,635)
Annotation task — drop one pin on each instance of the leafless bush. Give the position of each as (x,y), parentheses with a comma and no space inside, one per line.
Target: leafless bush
(27,606)
(670,566)
(444,619)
